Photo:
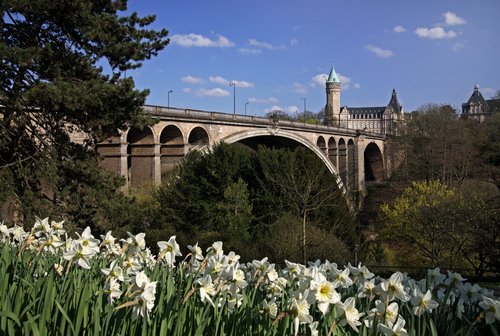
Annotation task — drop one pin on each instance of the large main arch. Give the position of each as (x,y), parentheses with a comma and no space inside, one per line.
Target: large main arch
(287,136)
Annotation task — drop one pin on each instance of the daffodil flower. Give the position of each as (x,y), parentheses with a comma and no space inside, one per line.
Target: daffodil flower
(491,308)
(422,303)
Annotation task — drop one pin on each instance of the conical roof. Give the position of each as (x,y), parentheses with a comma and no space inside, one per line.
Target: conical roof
(333,78)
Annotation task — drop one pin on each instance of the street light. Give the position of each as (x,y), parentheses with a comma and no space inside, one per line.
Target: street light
(233,84)
(304,99)
(246,107)
(168,97)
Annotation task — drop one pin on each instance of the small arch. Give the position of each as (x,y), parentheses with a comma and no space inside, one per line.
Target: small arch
(332,151)
(374,164)
(171,149)
(140,157)
(321,144)
(198,137)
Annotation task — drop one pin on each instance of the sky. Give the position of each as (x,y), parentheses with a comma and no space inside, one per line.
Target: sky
(279,52)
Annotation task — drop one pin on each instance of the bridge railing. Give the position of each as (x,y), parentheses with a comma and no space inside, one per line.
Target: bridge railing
(199,115)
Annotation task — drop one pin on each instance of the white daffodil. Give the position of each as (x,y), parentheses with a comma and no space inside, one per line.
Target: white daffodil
(350,313)
(324,292)
(136,243)
(58,227)
(18,233)
(207,289)
(366,289)
(4,233)
(342,278)
(51,243)
(112,288)
(88,241)
(394,288)
(422,303)
(435,277)
(469,292)
(300,312)
(114,271)
(216,249)
(396,330)
(454,279)
(169,250)
(131,265)
(293,270)
(79,254)
(42,227)
(491,308)
(196,253)
(270,308)
(145,302)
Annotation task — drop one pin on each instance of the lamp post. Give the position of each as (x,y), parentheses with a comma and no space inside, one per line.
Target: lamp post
(304,99)
(233,84)
(168,97)
(246,107)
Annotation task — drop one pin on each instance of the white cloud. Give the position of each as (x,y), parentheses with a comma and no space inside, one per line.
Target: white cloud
(357,86)
(379,52)
(453,19)
(186,90)
(222,81)
(192,80)
(292,109)
(270,100)
(299,88)
(399,29)
(435,33)
(196,40)
(219,80)
(258,44)
(294,42)
(217,92)
(250,51)
(319,80)
(273,108)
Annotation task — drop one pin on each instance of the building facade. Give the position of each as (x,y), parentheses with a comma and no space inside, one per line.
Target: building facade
(375,119)
(478,108)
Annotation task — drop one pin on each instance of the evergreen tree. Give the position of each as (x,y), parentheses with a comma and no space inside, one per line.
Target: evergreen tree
(52,82)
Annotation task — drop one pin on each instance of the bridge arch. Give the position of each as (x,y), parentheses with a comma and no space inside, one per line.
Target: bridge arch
(280,133)
(321,143)
(171,148)
(198,137)
(374,163)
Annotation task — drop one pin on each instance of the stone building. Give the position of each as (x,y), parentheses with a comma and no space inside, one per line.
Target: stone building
(478,108)
(376,119)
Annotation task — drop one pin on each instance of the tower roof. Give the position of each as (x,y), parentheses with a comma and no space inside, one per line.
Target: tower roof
(333,78)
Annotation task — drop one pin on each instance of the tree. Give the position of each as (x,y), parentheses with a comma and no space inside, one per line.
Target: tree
(489,148)
(53,83)
(304,188)
(435,144)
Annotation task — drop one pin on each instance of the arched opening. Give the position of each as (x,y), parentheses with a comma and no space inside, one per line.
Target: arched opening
(198,138)
(342,153)
(351,165)
(332,151)
(140,151)
(374,163)
(321,144)
(171,149)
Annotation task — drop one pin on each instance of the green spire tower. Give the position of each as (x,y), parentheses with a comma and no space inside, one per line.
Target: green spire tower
(332,107)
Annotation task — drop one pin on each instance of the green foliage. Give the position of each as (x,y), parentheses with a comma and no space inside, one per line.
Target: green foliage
(53,83)
(237,195)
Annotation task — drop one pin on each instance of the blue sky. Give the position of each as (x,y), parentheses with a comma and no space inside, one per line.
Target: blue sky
(277,51)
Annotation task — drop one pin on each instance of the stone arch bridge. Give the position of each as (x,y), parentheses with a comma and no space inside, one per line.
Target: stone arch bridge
(144,157)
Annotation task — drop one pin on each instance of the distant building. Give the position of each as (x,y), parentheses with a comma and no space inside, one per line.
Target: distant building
(478,108)
(376,119)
